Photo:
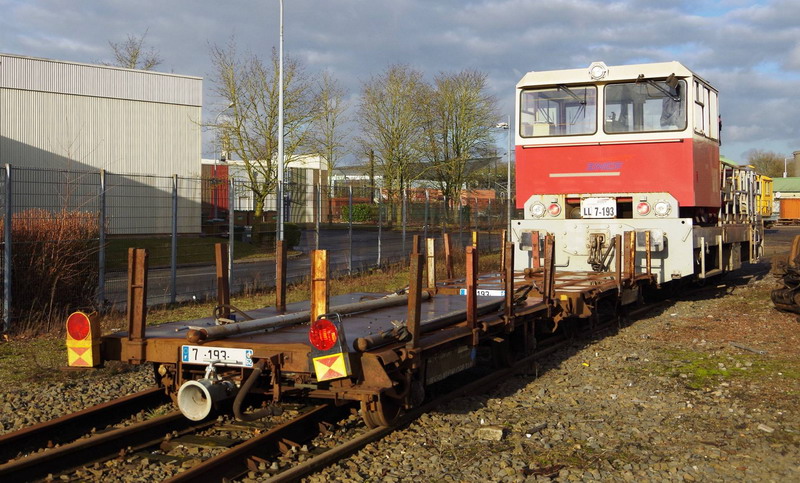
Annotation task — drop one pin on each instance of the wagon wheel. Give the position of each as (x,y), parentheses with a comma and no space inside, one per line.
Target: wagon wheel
(366,415)
(385,413)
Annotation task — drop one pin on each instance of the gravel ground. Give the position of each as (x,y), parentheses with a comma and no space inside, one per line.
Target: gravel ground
(32,403)
(667,398)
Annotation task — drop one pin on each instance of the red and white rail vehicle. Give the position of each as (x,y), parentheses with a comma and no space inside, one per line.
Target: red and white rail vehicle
(605,150)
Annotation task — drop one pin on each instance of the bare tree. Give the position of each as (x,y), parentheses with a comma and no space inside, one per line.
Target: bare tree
(250,128)
(391,119)
(133,54)
(460,116)
(329,129)
(767,163)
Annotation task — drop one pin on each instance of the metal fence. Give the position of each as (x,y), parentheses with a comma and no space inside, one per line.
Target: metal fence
(179,219)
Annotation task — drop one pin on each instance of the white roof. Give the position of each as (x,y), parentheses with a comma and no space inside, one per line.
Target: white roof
(615,73)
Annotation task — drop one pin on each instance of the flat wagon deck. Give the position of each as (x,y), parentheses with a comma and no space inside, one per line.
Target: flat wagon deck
(379,349)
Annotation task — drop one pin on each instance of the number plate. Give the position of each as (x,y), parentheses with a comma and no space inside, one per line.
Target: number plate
(598,208)
(221,356)
(485,293)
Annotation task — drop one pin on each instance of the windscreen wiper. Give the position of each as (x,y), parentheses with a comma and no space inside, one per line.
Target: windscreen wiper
(569,91)
(674,97)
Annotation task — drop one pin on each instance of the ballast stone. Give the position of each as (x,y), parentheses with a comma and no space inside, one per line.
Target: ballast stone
(490,433)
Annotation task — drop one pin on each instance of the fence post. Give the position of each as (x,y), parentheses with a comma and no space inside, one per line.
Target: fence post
(231,223)
(7,253)
(404,218)
(319,215)
(489,225)
(474,213)
(444,214)
(101,274)
(173,296)
(380,224)
(427,208)
(350,229)
(460,223)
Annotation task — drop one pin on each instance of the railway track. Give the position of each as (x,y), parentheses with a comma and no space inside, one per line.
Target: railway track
(253,454)
(70,427)
(60,445)
(76,447)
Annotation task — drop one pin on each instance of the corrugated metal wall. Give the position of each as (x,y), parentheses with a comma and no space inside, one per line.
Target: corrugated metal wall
(78,117)
(46,75)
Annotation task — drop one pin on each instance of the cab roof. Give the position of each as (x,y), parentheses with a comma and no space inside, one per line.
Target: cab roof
(615,73)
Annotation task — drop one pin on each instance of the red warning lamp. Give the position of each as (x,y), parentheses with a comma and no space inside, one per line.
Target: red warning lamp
(329,355)
(78,325)
(323,334)
(83,340)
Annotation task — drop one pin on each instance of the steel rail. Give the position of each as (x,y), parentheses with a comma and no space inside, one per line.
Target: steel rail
(98,447)
(235,462)
(334,454)
(72,426)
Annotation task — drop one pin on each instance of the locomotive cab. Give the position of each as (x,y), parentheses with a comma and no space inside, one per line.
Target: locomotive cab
(608,150)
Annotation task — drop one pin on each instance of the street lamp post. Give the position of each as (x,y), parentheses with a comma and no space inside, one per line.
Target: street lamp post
(279,200)
(507,127)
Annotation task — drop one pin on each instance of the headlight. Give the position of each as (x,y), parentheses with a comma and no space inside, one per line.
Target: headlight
(598,70)
(537,210)
(662,208)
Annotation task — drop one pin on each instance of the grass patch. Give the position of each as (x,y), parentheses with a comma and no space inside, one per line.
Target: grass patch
(702,370)
(30,359)
(41,359)
(191,249)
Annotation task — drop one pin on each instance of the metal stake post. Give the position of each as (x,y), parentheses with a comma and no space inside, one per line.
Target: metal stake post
(223,281)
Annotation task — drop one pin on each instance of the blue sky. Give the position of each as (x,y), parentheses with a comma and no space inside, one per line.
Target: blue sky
(749,50)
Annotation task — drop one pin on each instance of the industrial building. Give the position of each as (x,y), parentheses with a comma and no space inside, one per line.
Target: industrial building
(80,119)
(303,174)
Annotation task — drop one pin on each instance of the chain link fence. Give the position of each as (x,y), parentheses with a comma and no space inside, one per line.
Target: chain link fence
(80,224)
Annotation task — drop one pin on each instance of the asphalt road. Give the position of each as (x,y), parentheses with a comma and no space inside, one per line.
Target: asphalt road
(198,282)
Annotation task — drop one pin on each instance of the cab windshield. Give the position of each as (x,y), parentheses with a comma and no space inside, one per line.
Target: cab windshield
(645,106)
(558,111)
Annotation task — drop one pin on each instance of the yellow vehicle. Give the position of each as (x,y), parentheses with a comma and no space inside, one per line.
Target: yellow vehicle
(765,199)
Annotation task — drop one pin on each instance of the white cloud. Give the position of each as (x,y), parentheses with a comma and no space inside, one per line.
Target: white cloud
(750,50)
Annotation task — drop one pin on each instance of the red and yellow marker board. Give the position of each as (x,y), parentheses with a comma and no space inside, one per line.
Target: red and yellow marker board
(330,366)
(83,340)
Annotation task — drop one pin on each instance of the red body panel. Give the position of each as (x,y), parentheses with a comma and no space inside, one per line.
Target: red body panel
(688,169)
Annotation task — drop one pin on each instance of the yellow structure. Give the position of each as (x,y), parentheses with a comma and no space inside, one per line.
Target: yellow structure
(765,196)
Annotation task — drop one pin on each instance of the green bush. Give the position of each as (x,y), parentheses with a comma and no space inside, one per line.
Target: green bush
(362,212)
